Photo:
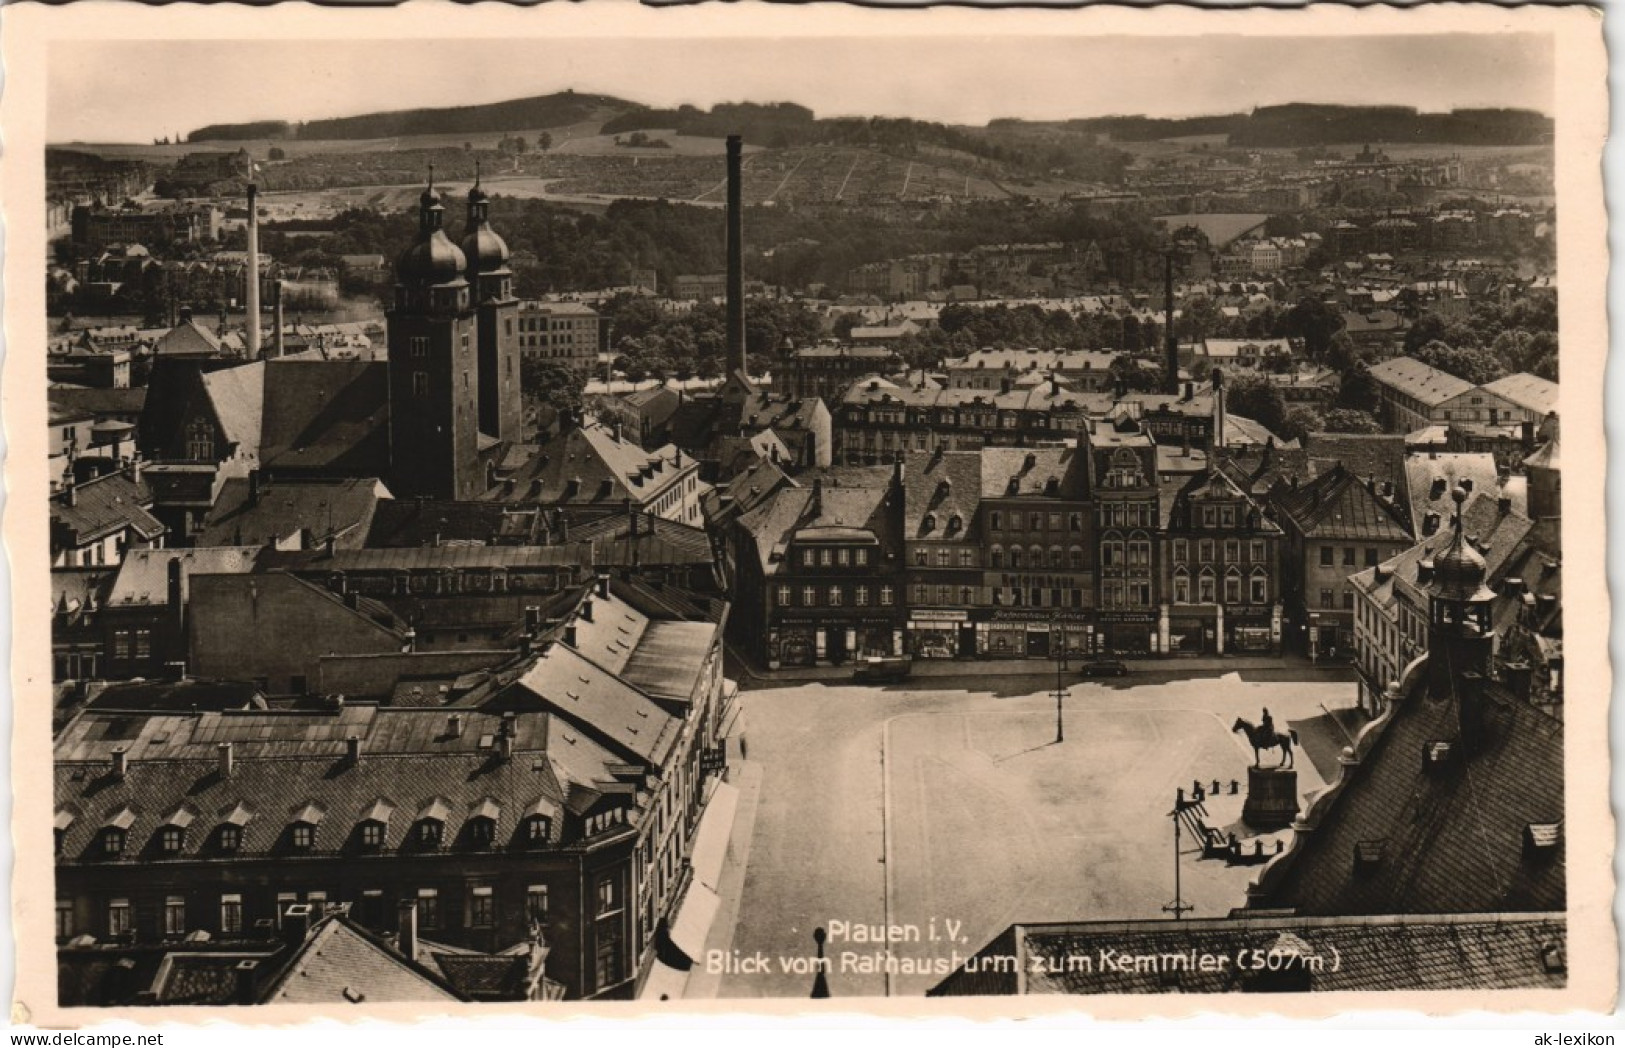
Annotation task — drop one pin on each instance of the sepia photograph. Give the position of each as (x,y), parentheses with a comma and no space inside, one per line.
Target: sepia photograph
(1068,512)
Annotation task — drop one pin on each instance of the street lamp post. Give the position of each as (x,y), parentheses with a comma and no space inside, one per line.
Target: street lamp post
(1060,682)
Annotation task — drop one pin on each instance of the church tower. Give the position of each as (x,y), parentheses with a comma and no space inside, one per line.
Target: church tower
(1461,631)
(433,367)
(498,339)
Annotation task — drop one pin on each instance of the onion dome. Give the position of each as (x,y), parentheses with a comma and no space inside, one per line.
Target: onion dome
(432,258)
(487,252)
(1459,570)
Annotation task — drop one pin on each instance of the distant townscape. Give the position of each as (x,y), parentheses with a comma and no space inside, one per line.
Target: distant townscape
(549,551)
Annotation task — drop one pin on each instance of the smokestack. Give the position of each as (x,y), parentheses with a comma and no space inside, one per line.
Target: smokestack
(252,276)
(276,314)
(736,255)
(1170,382)
(1218,408)
(406,940)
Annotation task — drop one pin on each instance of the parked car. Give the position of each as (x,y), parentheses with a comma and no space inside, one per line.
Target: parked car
(1104,668)
(880,668)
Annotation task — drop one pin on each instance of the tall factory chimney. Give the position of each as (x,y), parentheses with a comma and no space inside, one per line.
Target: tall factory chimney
(736,255)
(252,276)
(1170,382)
(276,318)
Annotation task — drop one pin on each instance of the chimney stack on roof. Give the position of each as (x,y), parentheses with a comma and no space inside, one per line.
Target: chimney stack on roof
(352,749)
(227,759)
(121,761)
(406,928)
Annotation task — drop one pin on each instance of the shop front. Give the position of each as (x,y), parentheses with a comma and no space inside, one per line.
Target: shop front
(934,634)
(1252,633)
(1126,633)
(1191,631)
(831,642)
(1011,634)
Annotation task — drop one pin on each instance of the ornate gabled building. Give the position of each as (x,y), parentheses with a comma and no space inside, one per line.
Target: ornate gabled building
(1222,563)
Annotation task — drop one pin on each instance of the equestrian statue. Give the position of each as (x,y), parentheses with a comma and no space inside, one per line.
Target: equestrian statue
(1263,736)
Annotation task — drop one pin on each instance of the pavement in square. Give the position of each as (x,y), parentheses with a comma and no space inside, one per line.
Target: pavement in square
(950,801)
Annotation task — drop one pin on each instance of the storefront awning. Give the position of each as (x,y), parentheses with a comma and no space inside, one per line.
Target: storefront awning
(664,983)
(710,845)
(694,917)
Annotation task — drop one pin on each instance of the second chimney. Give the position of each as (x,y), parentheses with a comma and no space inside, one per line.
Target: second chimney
(736,254)
(228,762)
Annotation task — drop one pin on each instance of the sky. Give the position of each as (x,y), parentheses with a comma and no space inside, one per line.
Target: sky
(134,91)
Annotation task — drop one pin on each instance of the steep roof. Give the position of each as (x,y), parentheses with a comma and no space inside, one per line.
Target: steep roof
(587,465)
(267,796)
(605,706)
(102,506)
(1366,455)
(1026,472)
(1444,840)
(943,485)
(1338,505)
(188,338)
(330,416)
(1430,478)
(277,511)
(1421,382)
(342,962)
(238,395)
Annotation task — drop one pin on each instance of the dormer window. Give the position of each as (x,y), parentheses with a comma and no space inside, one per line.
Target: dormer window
(113,842)
(171,839)
(1541,840)
(431,832)
(231,838)
(302,831)
(304,836)
(929,524)
(481,827)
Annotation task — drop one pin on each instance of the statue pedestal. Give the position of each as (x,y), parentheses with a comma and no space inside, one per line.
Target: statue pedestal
(1272,798)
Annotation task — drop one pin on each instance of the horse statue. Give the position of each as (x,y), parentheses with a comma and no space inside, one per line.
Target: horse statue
(1267,738)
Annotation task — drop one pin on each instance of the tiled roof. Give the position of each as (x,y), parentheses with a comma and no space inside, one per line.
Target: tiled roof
(596,701)
(428,522)
(278,734)
(328,415)
(1530,392)
(342,963)
(668,658)
(943,485)
(321,509)
(588,466)
(483,977)
(1011,472)
(238,396)
(328,792)
(143,578)
(1421,382)
(426,558)
(101,506)
(1338,505)
(1450,840)
(1430,478)
(188,338)
(1033,359)
(1366,455)
(99,402)
(1460,952)
(659,541)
